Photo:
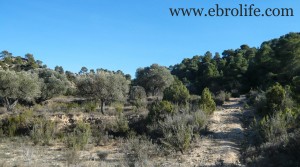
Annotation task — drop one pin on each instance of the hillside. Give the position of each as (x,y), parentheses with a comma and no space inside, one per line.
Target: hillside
(238,108)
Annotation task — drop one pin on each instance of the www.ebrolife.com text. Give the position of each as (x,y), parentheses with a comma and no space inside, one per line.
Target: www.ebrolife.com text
(239,11)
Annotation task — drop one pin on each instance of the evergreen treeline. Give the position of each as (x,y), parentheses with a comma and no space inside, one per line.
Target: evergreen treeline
(245,68)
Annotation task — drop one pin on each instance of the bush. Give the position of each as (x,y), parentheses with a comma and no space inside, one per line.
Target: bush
(159,110)
(178,130)
(177,133)
(227,96)
(177,92)
(260,102)
(119,107)
(90,106)
(121,125)
(79,136)
(139,150)
(43,131)
(207,104)
(17,124)
(284,152)
(199,120)
(220,98)
(138,97)
(272,127)
(275,100)
(275,97)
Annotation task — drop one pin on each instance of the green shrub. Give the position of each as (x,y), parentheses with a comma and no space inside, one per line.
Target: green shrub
(90,106)
(119,107)
(207,104)
(43,131)
(71,106)
(177,92)
(139,150)
(20,123)
(199,120)
(177,132)
(79,136)
(283,152)
(138,97)
(272,127)
(121,125)
(275,97)
(220,98)
(227,96)
(159,110)
(246,105)
(260,102)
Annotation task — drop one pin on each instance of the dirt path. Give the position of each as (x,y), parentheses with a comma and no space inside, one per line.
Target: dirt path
(221,147)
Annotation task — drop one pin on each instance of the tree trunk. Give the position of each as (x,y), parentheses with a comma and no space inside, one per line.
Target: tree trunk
(102,106)
(9,106)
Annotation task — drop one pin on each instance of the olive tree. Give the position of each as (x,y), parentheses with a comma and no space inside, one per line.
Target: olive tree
(53,83)
(103,86)
(155,79)
(18,85)
(138,97)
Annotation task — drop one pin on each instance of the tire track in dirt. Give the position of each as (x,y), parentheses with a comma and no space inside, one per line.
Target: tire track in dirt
(221,147)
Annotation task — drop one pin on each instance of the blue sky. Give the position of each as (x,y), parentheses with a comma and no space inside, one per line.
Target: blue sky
(127,34)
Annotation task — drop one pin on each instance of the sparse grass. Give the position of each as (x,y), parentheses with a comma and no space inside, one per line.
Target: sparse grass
(79,136)
(43,131)
(139,151)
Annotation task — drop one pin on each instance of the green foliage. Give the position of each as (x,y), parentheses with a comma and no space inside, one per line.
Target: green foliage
(296,87)
(227,96)
(90,106)
(275,97)
(159,110)
(177,132)
(18,86)
(273,127)
(199,120)
(207,104)
(177,92)
(78,138)
(17,124)
(138,97)
(220,98)
(43,131)
(104,86)
(155,79)
(139,150)
(119,107)
(59,69)
(53,83)
(31,61)
(121,125)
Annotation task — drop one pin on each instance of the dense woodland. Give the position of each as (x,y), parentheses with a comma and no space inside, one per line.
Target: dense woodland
(173,103)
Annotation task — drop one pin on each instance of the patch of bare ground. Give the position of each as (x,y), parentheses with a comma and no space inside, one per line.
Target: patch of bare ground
(222,146)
